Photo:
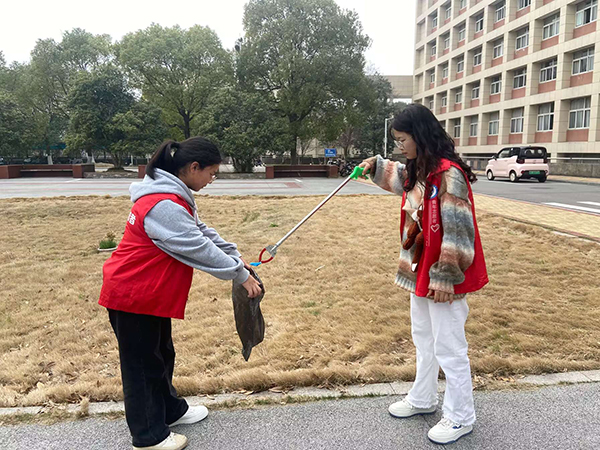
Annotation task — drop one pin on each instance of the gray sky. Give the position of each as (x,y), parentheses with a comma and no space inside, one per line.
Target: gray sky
(389,23)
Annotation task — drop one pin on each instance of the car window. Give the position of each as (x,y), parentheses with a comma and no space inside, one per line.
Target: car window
(533,153)
(504,153)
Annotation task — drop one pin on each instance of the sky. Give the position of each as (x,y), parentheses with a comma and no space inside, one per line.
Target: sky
(389,23)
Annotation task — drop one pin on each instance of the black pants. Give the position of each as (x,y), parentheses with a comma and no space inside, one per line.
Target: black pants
(147,361)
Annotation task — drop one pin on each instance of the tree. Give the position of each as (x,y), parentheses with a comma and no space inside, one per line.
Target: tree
(178,70)
(96,101)
(372,130)
(245,127)
(44,84)
(306,53)
(140,130)
(13,126)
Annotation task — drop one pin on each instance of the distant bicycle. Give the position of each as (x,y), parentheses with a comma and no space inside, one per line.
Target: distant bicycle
(346,168)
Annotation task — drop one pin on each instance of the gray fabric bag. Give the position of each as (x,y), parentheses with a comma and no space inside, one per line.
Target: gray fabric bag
(249,320)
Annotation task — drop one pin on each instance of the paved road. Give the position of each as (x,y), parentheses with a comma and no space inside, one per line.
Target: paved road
(576,197)
(52,187)
(557,418)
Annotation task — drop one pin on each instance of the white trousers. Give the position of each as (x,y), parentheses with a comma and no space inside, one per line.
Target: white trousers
(438,332)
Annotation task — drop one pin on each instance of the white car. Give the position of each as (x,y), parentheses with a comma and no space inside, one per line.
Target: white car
(519,162)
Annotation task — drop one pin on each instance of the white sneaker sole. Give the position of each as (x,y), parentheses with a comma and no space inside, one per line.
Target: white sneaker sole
(450,442)
(190,420)
(418,412)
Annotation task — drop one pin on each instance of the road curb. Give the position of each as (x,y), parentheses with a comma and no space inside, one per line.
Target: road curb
(297,394)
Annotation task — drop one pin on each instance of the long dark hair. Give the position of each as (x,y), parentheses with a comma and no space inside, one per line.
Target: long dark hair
(173,156)
(433,143)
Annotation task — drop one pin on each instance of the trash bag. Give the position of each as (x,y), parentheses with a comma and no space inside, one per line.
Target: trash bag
(249,320)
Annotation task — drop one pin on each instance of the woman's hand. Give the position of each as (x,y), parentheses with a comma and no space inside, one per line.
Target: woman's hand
(252,286)
(440,297)
(366,167)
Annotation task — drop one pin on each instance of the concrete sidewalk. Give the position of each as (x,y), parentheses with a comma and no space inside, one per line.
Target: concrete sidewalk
(574,223)
(556,416)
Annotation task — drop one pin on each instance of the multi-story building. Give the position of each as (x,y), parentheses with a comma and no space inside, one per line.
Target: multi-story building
(511,72)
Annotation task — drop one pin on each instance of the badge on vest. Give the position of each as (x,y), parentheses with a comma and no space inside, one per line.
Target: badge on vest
(434,192)
(131,218)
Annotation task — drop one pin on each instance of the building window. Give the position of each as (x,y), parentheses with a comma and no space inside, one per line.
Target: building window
(496,86)
(457,128)
(522,4)
(500,11)
(447,42)
(494,125)
(477,58)
(579,116)
(520,79)
(462,33)
(478,23)
(432,77)
(475,93)
(516,122)
(474,126)
(433,50)
(463,4)
(551,26)
(586,12)
(583,61)
(444,101)
(448,13)
(545,120)
(498,49)
(458,97)
(434,21)
(522,39)
(445,71)
(431,104)
(460,65)
(548,70)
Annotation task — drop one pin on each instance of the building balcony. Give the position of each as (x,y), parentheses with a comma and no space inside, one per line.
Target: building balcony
(522,12)
(515,138)
(582,78)
(585,29)
(543,137)
(578,135)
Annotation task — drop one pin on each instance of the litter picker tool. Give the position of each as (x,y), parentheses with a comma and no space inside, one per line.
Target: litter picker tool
(272,249)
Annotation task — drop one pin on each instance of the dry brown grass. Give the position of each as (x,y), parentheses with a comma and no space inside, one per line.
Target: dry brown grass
(343,323)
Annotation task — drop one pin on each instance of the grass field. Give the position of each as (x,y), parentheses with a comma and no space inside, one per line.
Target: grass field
(333,313)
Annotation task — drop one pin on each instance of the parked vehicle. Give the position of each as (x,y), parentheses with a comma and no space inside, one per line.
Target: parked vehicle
(519,163)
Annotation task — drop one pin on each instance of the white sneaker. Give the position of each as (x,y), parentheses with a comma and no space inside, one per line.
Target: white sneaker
(404,409)
(447,432)
(173,442)
(194,414)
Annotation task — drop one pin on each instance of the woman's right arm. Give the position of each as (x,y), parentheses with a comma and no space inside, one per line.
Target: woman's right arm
(388,175)
(174,231)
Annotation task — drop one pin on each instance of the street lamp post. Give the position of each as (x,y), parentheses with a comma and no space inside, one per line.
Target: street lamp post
(385,137)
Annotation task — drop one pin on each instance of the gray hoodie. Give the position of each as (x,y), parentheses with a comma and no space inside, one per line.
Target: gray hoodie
(185,237)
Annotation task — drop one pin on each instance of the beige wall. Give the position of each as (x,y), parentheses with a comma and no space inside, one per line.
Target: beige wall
(402,85)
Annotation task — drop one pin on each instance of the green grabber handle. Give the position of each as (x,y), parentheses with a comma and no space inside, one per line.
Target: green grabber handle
(357,172)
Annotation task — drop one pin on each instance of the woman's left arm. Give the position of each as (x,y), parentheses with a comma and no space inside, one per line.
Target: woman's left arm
(458,242)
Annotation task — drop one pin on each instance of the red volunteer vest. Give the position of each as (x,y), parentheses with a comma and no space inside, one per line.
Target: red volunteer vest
(476,275)
(139,277)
